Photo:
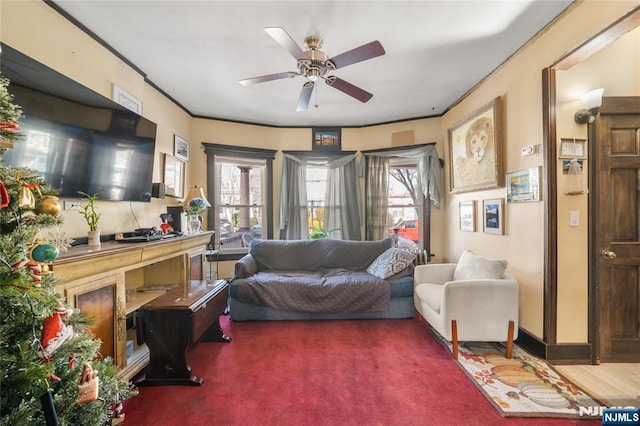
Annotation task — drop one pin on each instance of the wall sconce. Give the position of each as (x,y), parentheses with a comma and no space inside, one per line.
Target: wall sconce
(592,101)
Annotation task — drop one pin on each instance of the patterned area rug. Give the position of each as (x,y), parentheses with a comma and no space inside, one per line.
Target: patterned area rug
(524,386)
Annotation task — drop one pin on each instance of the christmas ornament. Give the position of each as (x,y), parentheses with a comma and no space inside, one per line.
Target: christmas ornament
(59,239)
(54,331)
(35,269)
(4,196)
(88,389)
(44,253)
(26,200)
(49,204)
(118,415)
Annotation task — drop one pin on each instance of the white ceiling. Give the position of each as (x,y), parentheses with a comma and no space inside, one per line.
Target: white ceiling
(196,51)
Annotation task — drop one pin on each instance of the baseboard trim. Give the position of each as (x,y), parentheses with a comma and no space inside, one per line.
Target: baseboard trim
(558,353)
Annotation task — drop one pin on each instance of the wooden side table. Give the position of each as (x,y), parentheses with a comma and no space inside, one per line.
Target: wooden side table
(174,322)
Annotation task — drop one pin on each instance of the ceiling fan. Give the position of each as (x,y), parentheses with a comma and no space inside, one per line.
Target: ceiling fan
(314,65)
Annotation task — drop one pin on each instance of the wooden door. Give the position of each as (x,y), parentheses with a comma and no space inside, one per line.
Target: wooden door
(615,136)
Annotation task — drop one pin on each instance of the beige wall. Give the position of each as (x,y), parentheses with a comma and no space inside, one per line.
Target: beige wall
(38,31)
(519,83)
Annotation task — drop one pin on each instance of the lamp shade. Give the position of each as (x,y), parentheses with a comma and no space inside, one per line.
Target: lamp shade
(196,192)
(592,99)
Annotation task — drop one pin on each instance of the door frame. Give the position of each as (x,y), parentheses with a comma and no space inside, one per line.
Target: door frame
(622,26)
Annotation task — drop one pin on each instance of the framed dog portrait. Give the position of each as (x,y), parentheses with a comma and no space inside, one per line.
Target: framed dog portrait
(475,150)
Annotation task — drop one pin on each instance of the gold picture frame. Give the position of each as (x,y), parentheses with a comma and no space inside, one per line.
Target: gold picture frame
(173,176)
(475,150)
(468,216)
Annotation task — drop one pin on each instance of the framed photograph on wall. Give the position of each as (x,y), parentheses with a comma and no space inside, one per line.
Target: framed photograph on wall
(173,176)
(493,216)
(475,150)
(523,185)
(573,148)
(468,216)
(180,148)
(326,139)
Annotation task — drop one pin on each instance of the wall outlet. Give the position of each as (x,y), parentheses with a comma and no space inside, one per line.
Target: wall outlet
(70,205)
(528,150)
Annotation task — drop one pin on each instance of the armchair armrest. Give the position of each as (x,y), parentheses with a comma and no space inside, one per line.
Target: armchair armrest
(245,267)
(482,308)
(436,273)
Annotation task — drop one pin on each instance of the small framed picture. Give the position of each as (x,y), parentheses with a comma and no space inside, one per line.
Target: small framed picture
(573,148)
(326,139)
(493,216)
(180,148)
(468,216)
(173,176)
(523,185)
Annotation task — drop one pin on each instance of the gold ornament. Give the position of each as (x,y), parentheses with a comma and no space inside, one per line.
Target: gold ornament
(50,204)
(26,200)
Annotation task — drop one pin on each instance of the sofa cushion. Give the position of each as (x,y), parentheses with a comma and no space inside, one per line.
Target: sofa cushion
(390,262)
(472,266)
(283,255)
(431,294)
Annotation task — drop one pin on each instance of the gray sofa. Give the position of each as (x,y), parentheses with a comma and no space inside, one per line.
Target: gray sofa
(322,279)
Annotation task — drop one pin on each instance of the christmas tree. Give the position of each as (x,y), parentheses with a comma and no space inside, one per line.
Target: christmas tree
(52,372)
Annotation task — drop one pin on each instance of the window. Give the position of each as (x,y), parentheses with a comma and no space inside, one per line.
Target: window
(405,202)
(316,190)
(240,183)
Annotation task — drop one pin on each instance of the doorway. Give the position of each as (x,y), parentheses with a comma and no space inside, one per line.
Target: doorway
(617,333)
(614,205)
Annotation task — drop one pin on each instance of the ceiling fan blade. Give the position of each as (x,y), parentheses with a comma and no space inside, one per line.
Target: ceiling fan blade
(284,39)
(270,77)
(348,88)
(305,96)
(359,54)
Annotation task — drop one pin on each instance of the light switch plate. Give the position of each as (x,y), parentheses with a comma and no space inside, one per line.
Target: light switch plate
(574,218)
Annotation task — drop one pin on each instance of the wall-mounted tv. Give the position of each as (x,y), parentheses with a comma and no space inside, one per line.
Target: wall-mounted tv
(78,139)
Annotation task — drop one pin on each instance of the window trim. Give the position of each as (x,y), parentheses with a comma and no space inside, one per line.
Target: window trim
(268,155)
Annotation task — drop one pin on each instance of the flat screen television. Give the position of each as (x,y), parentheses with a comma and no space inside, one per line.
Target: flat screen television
(78,139)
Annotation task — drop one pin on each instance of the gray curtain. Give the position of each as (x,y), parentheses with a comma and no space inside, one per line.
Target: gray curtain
(429,169)
(342,199)
(377,193)
(293,200)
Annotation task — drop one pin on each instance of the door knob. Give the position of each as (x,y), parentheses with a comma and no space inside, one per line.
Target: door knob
(606,254)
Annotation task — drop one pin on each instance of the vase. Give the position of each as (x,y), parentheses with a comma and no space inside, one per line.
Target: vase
(94,238)
(193,225)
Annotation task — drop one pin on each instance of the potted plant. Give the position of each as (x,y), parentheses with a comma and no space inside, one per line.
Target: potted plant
(92,217)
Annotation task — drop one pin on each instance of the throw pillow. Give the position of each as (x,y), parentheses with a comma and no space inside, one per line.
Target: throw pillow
(390,262)
(475,267)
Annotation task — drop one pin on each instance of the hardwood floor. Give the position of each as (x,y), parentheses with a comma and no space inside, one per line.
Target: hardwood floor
(616,384)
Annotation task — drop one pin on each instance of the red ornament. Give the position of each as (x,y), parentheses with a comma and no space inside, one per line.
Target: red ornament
(54,331)
(4,196)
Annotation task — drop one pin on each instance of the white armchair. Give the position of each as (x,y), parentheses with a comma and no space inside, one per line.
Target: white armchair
(473,300)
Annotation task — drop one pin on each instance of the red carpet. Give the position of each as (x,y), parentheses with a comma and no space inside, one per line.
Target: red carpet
(369,372)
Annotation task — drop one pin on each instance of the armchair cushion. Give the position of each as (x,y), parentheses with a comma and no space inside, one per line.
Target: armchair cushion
(475,267)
